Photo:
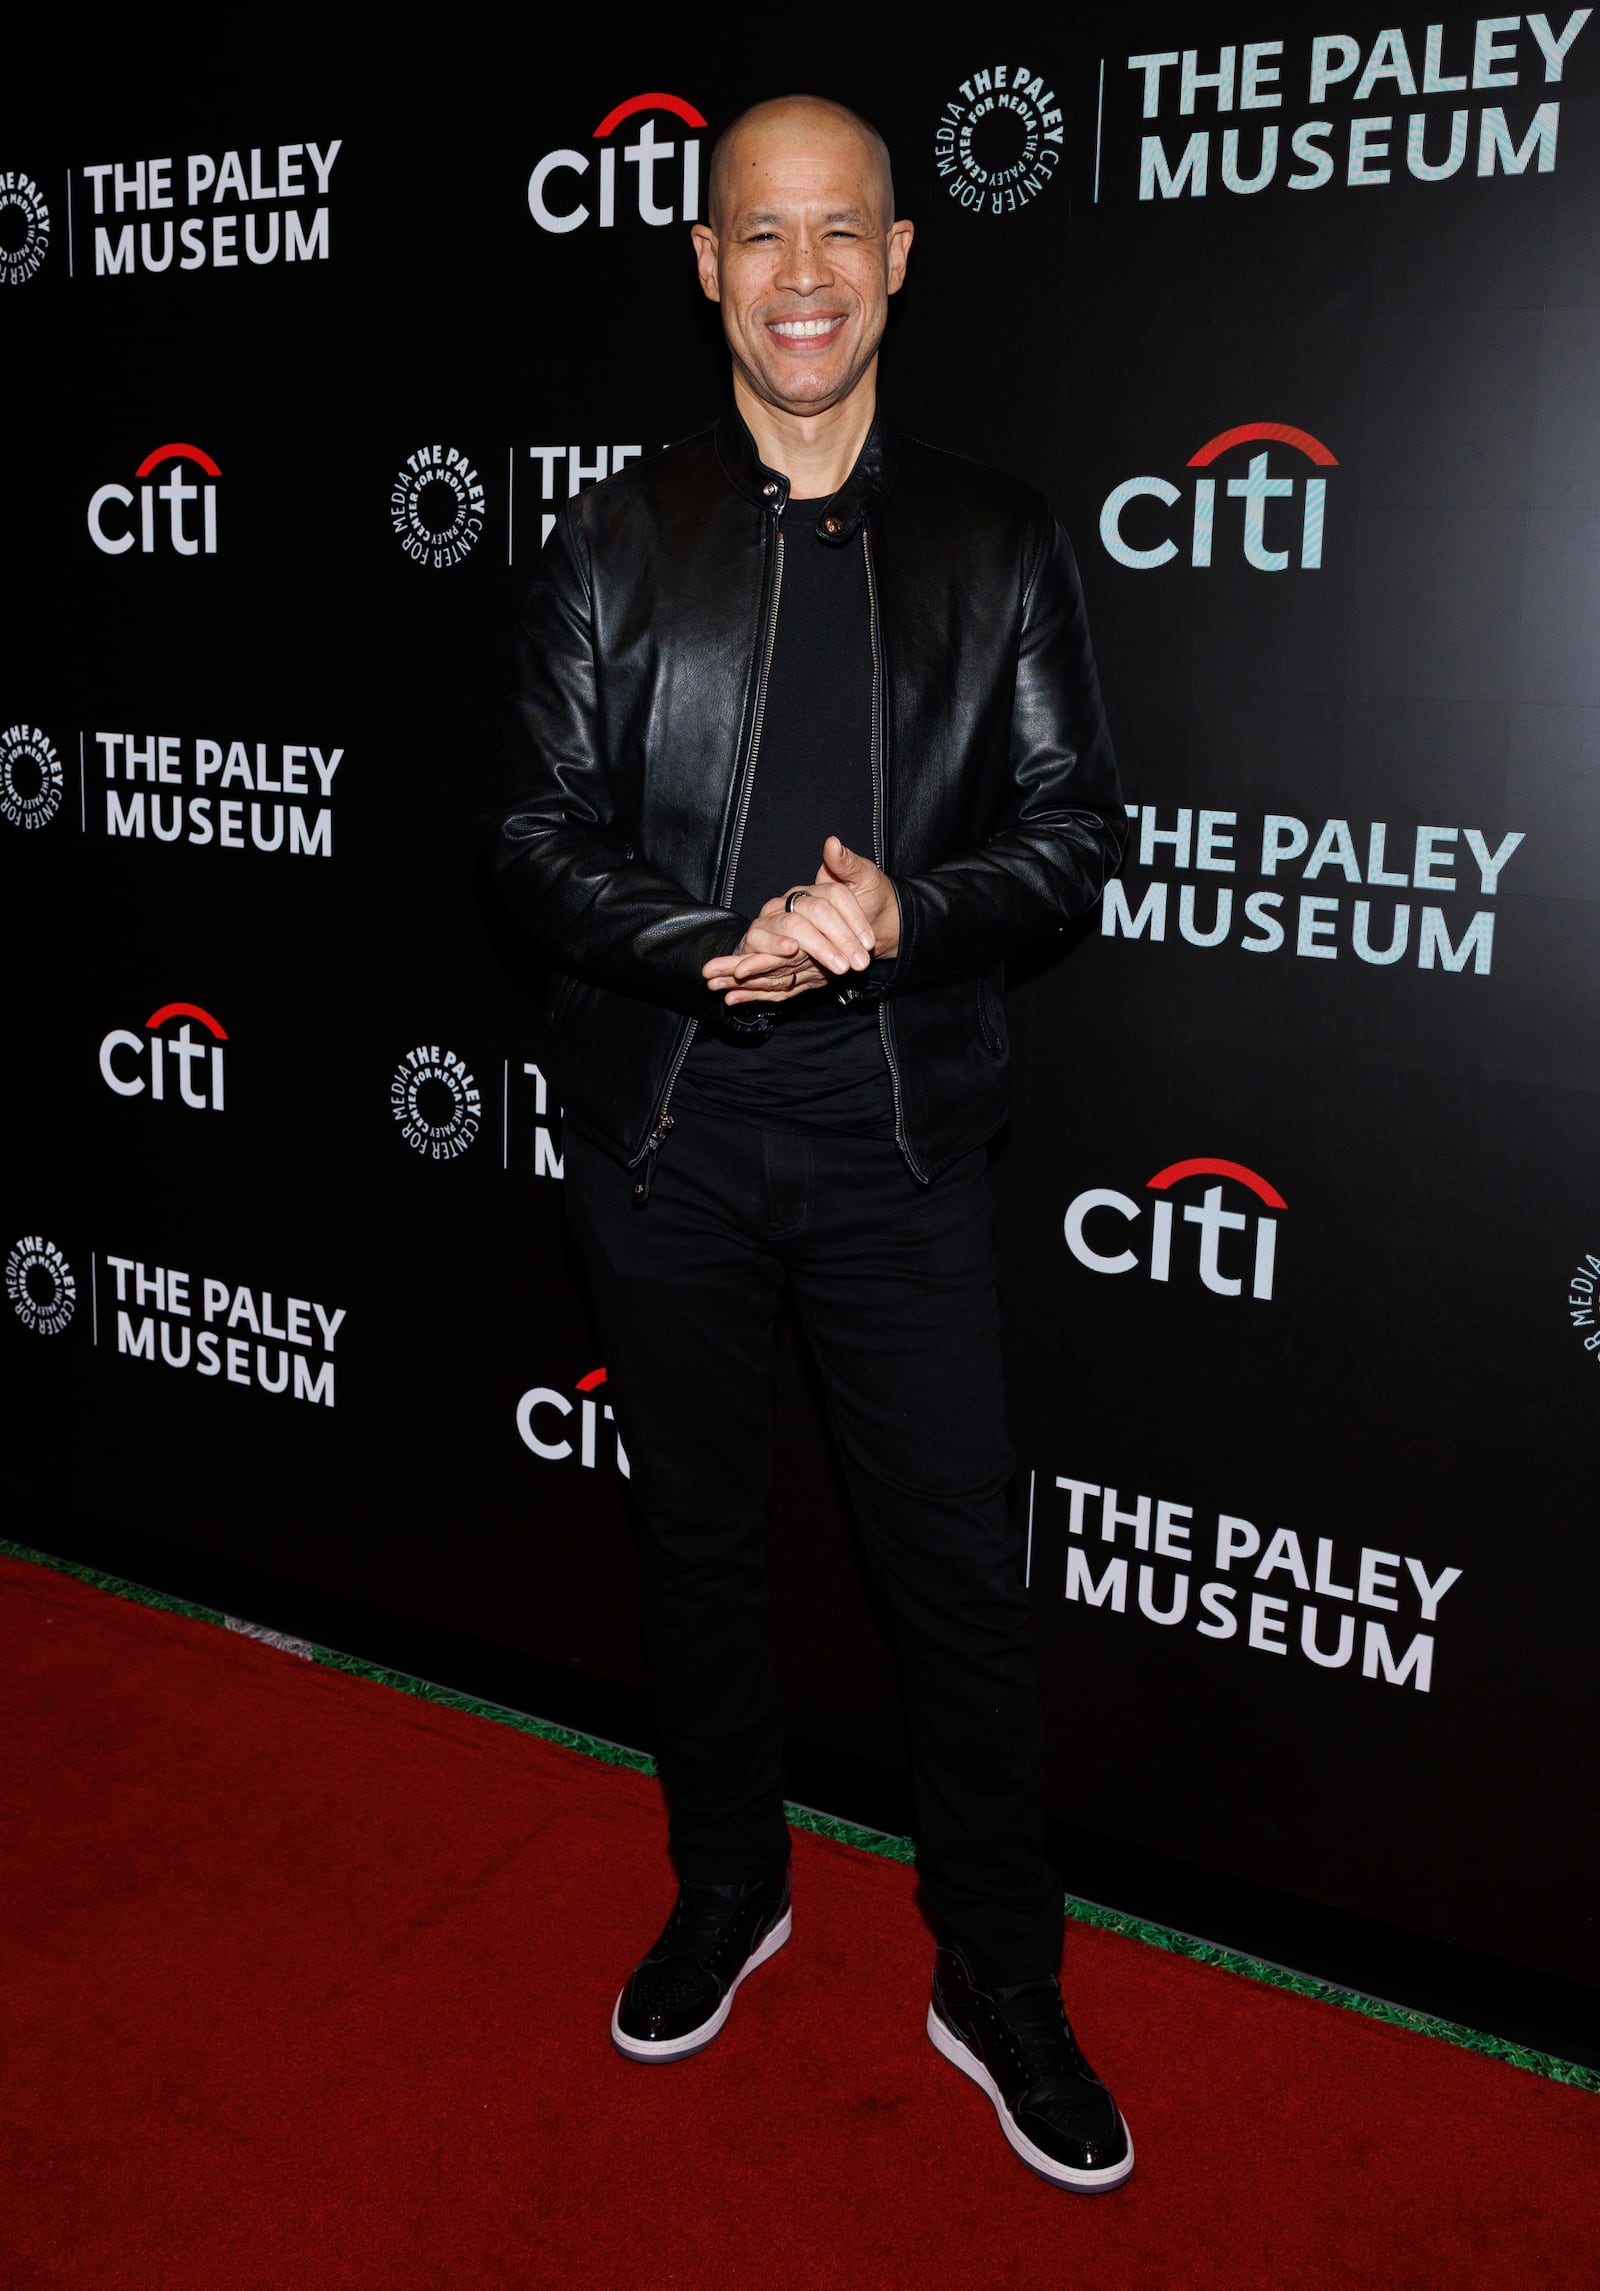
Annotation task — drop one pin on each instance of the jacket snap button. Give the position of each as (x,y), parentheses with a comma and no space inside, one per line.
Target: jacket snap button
(830,525)
(771,492)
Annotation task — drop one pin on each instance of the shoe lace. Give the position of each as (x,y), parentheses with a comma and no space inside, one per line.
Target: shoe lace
(1036,2021)
(702,1919)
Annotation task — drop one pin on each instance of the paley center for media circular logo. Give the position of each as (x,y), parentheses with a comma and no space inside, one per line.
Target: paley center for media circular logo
(39,1283)
(436,506)
(1583,1302)
(24,228)
(30,777)
(436,1102)
(999,140)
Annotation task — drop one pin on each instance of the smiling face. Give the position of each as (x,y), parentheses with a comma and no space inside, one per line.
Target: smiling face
(802,251)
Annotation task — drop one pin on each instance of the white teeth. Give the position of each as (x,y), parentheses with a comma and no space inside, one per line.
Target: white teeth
(797,329)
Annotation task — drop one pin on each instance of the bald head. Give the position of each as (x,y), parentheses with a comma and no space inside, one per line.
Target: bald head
(766,129)
(802,249)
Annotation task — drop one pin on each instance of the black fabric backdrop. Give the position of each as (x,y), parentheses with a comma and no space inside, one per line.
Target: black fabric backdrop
(1372,1359)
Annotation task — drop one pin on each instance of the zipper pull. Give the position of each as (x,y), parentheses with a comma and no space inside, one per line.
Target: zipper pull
(653,1144)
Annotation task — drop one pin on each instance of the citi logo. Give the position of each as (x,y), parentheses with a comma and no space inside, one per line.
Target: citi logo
(554,1411)
(1255,1256)
(648,153)
(189,540)
(1296,536)
(132,1063)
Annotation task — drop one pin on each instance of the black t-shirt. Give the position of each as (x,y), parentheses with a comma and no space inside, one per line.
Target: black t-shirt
(822,1065)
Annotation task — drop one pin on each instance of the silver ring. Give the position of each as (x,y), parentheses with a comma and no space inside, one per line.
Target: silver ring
(788,904)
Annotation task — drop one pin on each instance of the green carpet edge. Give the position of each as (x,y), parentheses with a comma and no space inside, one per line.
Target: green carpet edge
(864,1840)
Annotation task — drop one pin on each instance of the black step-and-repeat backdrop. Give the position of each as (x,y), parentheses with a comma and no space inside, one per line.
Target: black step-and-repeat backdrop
(1297,318)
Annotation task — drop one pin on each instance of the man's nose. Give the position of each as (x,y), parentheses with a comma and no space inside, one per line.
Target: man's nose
(805,266)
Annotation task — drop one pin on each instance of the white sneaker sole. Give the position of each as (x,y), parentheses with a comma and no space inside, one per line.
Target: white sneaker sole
(1087,2183)
(679,2047)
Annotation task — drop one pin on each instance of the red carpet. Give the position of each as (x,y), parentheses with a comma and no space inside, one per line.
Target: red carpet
(307,1985)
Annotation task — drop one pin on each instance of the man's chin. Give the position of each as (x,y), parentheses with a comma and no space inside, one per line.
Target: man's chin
(810,392)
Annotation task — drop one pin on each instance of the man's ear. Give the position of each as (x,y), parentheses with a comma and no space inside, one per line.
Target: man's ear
(705,257)
(900,237)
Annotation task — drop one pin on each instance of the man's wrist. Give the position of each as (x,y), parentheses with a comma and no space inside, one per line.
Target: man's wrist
(887,932)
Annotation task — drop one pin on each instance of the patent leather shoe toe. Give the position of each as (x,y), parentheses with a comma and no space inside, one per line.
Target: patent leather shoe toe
(1017,2046)
(677,1999)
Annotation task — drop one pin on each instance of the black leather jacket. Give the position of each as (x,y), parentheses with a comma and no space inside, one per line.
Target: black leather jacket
(636,732)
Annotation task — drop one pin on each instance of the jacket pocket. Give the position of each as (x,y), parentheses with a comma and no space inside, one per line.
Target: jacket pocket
(991,1013)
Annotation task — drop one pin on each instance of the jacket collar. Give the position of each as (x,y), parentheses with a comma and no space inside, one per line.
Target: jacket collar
(843,516)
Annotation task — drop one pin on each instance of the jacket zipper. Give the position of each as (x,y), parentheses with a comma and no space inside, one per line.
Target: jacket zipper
(661,1128)
(731,870)
(885,1033)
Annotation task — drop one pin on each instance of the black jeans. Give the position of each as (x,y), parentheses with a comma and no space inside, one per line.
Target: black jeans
(895,1284)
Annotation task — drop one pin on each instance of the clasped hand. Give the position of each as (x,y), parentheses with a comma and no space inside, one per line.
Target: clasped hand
(837,924)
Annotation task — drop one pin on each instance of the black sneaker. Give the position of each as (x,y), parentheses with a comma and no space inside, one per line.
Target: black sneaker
(680,1995)
(1017,2045)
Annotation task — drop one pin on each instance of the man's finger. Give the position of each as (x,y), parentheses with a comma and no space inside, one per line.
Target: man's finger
(845,865)
(828,937)
(739,969)
(777,984)
(782,992)
(842,899)
(772,966)
(822,886)
(775,938)
(850,872)
(821,933)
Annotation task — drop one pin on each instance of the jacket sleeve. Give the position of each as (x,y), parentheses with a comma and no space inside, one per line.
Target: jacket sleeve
(561,856)
(1051,859)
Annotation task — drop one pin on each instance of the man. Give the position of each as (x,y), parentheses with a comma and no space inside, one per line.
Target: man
(807,741)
